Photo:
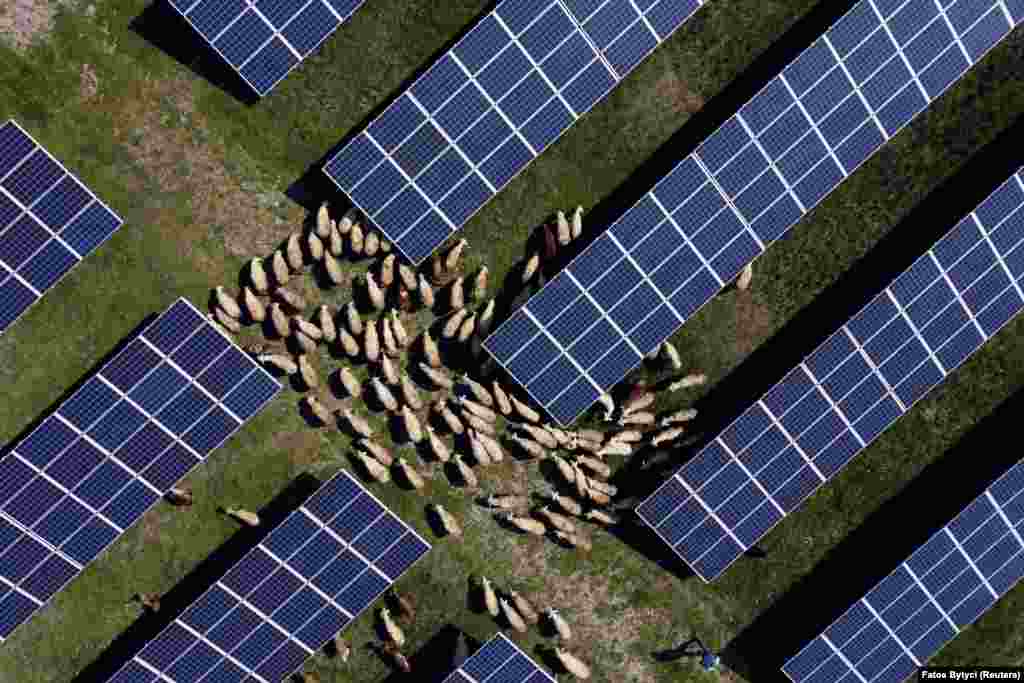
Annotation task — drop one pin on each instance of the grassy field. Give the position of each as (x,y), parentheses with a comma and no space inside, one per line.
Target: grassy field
(205,182)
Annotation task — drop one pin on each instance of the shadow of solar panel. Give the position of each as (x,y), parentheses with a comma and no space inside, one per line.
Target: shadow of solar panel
(49,222)
(263,41)
(752,179)
(504,93)
(499,660)
(89,471)
(288,596)
(847,391)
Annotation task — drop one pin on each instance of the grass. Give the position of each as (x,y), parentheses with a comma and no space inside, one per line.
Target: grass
(200,179)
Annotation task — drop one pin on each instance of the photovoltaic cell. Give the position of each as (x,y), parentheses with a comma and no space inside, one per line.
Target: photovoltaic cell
(847,391)
(287,597)
(109,452)
(499,660)
(806,131)
(506,91)
(49,221)
(950,581)
(263,40)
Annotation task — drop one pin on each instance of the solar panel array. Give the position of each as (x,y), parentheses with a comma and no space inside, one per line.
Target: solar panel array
(120,442)
(489,106)
(49,221)
(752,179)
(946,584)
(850,389)
(287,597)
(499,661)
(263,40)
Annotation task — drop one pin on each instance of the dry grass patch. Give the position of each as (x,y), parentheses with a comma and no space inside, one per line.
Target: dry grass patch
(754,323)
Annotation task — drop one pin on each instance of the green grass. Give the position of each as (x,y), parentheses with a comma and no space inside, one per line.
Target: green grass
(162,253)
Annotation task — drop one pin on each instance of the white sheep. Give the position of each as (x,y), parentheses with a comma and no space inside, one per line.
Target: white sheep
(387,271)
(490,599)
(467,327)
(456,295)
(480,283)
(673,356)
(391,628)
(401,336)
(539,435)
(601,517)
(291,299)
(577,541)
(376,471)
(449,525)
(412,425)
(597,496)
(743,282)
(483,325)
(557,521)
(564,233)
(379,453)
(426,292)
(479,424)
(567,504)
(684,415)
(437,445)
(451,261)
(451,327)
(374,292)
(478,390)
(594,465)
(687,382)
(242,516)
(577,222)
(439,378)
(492,447)
(559,623)
(280,269)
(308,373)
(501,398)
(352,386)
(609,406)
(358,424)
(525,524)
(407,276)
(512,616)
(628,436)
(355,322)
(371,343)
(524,607)
(225,320)
(336,243)
(258,276)
(615,447)
(564,468)
(644,400)
(468,478)
(478,409)
(450,418)
(318,410)
(348,343)
(430,350)
(667,435)
(389,370)
(303,341)
(387,335)
(411,476)
(371,245)
(526,412)
(572,664)
(307,328)
(333,270)
(323,221)
(602,486)
(638,418)
(227,302)
(384,395)
(355,239)
(284,364)
(293,252)
(506,501)
(350,218)
(315,245)
(530,269)
(325,321)
(480,454)
(529,447)
(409,393)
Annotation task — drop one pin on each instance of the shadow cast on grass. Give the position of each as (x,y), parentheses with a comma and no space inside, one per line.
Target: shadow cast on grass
(929,502)
(192,586)
(432,663)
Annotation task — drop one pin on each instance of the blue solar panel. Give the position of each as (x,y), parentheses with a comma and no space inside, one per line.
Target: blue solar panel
(749,182)
(848,390)
(288,596)
(263,40)
(49,222)
(489,106)
(93,468)
(499,660)
(950,581)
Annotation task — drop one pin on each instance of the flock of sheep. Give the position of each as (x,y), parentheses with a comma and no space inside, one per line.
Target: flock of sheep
(484,416)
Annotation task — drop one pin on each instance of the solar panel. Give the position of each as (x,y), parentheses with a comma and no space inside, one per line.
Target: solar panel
(311,576)
(109,452)
(49,221)
(263,40)
(499,660)
(848,390)
(942,588)
(749,182)
(489,106)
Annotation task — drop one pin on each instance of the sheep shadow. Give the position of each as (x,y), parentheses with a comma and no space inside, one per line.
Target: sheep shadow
(434,661)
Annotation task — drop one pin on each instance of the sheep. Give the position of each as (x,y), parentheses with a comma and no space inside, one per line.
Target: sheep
(480,453)
(389,370)
(308,373)
(468,478)
(577,222)
(450,419)
(449,525)
(592,447)
(254,307)
(333,270)
(371,344)
(342,648)
(376,471)
(529,447)
(601,517)
(303,341)
(743,281)
(524,607)
(374,292)
(539,435)
(558,622)
(387,271)
(379,453)
(439,379)
(602,486)
(318,410)
(597,496)
(437,445)
(348,343)
(350,218)
(308,329)
(323,221)
(179,497)
(638,418)
(411,476)
(501,398)
(672,355)
(390,627)
(358,424)
(406,610)
(615,447)
(426,292)
(349,381)
(687,382)
(478,409)
(564,234)
(525,411)
(390,346)
(409,393)
(325,323)
(628,436)
(530,269)
(355,323)
(451,260)
(430,350)
(296,302)
(437,269)
(371,245)
(594,465)
(667,435)
(315,245)
(385,246)
(401,336)
(591,435)
(684,415)
(489,598)
(579,480)
(564,468)
(567,504)
(227,302)
(384,395)
(355,239)
(336,243)
(241,516)
(407,276)
(577,541)
(644,400)
(525,524)
(557,521)
(503,501)
(258,276)
(412,425)
(293,252)
(479,424)
(559,435)
(512,616)
(483,325)
(149,601)
(284,364)
(478,390)
(280,269)
(467,327)
(480,283)
(452,326)
(400,661)
(456,295)
(608,404)
(221,316)
(572,664)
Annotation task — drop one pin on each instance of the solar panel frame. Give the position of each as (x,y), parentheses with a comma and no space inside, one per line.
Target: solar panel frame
(485,151)
(66,498)
(984,545)
(279,591)
(499,659)
(922,346)
(280,37)
(739,209)
(45,256)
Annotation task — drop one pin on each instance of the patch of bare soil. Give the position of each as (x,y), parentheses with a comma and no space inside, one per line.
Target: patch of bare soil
(672,89)
(753,323)
(22,22)
(302,447)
